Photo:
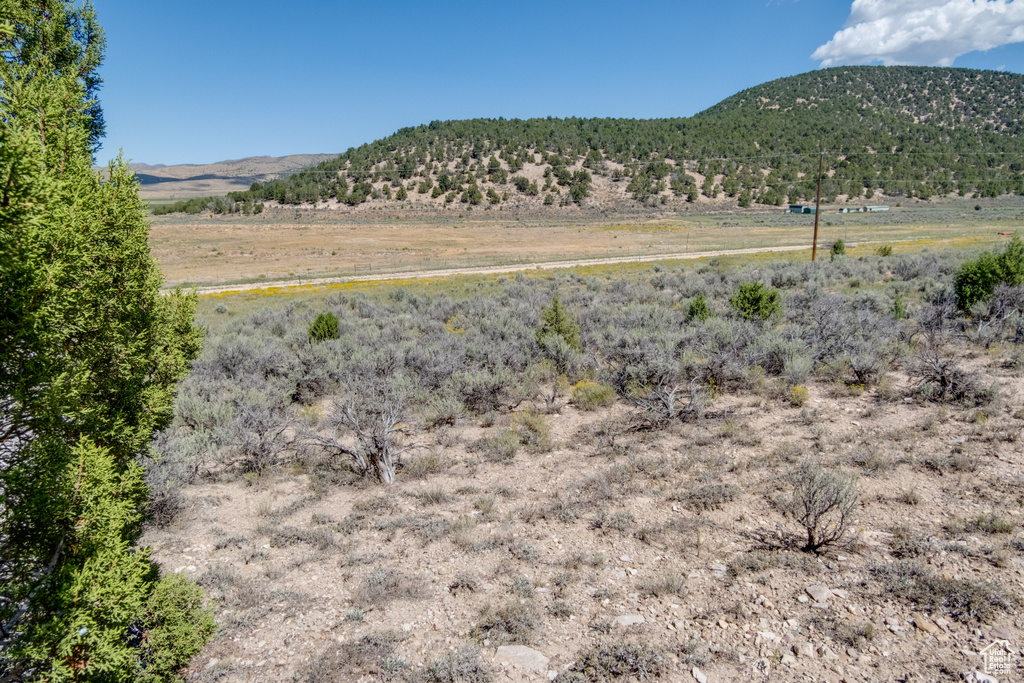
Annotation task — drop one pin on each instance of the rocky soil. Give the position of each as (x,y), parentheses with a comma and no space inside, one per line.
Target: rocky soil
(611,548)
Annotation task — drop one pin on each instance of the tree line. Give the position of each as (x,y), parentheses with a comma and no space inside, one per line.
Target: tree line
(899,131)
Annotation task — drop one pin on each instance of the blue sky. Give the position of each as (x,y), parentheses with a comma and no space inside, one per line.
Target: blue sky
(198,82)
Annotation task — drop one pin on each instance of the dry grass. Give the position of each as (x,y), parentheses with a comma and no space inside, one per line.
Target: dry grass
(301,243)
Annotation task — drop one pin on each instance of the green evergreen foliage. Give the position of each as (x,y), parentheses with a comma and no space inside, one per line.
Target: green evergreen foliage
(879,129)
(68,39)
(899,308)
(699,309)
(90,354)
(177,627)
(196,205)
(82,611)
(754,300)
(558,322)
(838,249)
(472,195)
(324,327)
(977,279)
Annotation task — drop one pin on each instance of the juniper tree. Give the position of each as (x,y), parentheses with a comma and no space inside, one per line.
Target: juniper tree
(90,353)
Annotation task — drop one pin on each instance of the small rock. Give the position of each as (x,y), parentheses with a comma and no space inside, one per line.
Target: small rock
(521,656)
(788,659)
(624,558)
(552,675)
(699,675)
(978,677)
(819,593)
(925,624)
(839,591)
(628,620)
(212,663)
(804,650)
(994,634)
(803,598)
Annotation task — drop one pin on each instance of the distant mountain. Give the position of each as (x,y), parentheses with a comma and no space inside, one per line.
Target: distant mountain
(880,132)
(196,180)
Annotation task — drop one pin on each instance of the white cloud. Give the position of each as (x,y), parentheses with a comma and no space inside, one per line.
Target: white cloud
(924,32)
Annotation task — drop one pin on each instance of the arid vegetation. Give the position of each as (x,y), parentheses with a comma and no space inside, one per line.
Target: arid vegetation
(782,468)
(881,131)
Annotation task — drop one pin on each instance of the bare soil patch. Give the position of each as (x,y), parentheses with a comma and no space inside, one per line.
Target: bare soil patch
(558,550)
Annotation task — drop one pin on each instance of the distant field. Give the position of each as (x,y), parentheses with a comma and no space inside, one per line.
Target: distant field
(290,243)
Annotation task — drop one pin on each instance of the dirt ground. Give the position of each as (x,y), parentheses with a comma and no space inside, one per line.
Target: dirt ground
(292,244)
(604,538)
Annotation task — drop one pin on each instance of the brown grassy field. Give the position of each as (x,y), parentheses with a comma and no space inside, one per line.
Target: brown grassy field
(289,243)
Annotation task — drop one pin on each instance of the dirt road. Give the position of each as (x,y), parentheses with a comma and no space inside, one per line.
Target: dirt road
(488,270)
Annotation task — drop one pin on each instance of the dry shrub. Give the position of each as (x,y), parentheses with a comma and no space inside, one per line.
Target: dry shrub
(617,661)
(533,431)
(665,584)
(823,504)
(906,543)
(425,465)
(591,395)
(501,447)
(319,537)
(757,561)
(942,380)
(855,635)
(461,665)
(372,654)
(964,601)
(384,585)
(512,623)
(707,496)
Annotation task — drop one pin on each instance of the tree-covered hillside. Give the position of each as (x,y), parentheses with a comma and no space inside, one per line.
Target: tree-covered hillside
(892,131)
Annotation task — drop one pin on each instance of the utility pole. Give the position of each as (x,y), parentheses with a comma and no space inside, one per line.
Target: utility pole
(817,209)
